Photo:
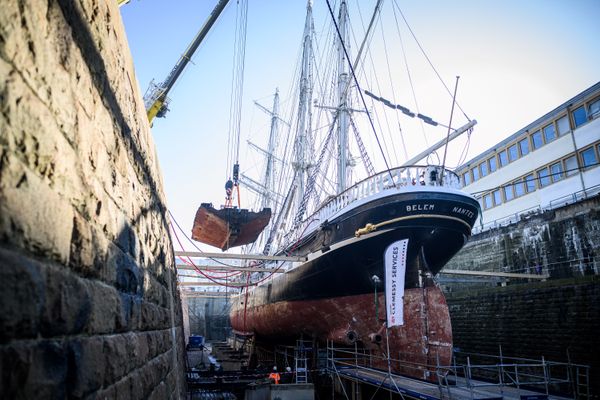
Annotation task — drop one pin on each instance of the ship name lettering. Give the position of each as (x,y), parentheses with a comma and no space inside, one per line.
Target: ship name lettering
(463,211)
(420,207)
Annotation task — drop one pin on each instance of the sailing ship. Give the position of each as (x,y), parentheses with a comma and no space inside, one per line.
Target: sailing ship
(336,291)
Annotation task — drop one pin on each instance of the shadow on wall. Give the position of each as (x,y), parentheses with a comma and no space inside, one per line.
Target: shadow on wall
(105,321)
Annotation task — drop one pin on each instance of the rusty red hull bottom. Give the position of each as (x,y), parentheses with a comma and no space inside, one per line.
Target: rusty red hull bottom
(424,340)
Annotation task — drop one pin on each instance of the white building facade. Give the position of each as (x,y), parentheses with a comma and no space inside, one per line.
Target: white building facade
(551,162)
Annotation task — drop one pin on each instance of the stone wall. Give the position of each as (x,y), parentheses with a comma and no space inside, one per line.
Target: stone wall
(532,320)
(89,305)
(561,243)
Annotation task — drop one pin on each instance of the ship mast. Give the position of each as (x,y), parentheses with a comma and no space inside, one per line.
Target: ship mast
(343,113)
(270,167)
(301,164)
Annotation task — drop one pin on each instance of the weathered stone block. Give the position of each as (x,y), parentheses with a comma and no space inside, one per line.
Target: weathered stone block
(32,215)
(86,355)
(68,303)
(104,310)
(22,296)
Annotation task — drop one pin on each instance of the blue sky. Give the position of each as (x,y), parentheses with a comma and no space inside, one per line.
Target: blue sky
(517,60)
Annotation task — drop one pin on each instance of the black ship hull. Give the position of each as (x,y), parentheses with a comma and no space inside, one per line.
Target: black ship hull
(337,281)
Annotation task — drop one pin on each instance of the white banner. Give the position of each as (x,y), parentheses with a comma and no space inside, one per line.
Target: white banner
(395,268)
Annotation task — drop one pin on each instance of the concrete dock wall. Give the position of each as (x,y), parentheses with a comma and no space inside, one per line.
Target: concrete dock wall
(88,298)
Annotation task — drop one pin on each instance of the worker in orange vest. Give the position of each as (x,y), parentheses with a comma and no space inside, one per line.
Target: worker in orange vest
(274,376)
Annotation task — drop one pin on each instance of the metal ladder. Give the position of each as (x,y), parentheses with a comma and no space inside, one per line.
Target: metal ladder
(300,362)
(582,382)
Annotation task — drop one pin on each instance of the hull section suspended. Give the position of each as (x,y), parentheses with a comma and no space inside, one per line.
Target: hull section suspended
(228,227)
(332,295)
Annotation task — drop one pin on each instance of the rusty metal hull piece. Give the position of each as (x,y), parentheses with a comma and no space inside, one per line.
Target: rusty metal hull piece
(424,340)
(228,227)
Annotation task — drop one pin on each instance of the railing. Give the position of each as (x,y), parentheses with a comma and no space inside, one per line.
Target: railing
(392,180)
(485,371)
(527,213)
(475,372)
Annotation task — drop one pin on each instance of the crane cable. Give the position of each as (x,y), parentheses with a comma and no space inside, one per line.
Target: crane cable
(235,111)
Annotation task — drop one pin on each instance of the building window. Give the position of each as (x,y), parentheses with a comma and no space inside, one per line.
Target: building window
(519,188)
(497,197)
(487,201)
(579,116)
(543,177)
(484,169)
(588,157)
(571,165)
(492,164)
(467,178)
(475,172)
(524,146)
(530,183)
(513,153)
(503,158)
(556,171)
(549,133)
(594,109)
(508,193)
(536,139)
(563,125)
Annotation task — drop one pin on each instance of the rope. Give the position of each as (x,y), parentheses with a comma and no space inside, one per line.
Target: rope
(362,98)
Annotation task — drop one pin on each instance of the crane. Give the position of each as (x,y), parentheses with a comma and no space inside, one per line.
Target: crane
(155,98)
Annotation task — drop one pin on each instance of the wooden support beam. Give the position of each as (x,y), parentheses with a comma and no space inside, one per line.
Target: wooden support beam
(207,294)
(231,256)
(493,273)
(209,268)
(209,283)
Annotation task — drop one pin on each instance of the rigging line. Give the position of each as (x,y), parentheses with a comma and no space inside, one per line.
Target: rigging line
(389,70)
(359,89)
(409,75)
(427,58)
(449,125)
(368,33)
(385,114)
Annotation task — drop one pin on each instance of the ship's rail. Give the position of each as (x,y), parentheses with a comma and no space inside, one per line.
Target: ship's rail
(392,180)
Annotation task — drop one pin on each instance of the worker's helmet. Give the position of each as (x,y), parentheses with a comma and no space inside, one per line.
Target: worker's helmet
(288,369)
(275,368)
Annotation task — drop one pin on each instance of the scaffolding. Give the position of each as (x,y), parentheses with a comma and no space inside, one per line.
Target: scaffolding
(472,376)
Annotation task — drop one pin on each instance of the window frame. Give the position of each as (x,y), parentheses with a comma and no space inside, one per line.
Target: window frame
(494,197)
(582,151)
(519,183)
(541,136)
(557,177)
(568,170)
(515,147)
(548,128)
(483,166)
(530,182)
(506,190)
(486,197)
(524,140)
(563,118)
(500,158)
(543,178)
(492,170)
(575,116)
